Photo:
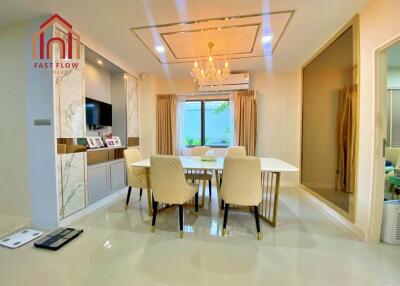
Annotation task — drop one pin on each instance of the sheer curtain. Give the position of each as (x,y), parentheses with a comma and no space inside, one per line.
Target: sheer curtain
(180,125)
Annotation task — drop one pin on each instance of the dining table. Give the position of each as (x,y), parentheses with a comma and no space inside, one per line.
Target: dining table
(271,170)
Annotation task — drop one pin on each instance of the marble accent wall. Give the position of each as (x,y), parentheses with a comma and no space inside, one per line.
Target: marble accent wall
(70,122)
(70,100)
(73,183)
(132,106)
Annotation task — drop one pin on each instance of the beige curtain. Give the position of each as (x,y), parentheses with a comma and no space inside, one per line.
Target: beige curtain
(245,120)
(166,124)
(347,138)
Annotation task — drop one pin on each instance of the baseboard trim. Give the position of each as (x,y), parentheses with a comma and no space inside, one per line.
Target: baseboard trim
(334,216)
(102,203)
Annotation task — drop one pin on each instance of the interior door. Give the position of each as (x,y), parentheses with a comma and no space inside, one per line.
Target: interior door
(380,145)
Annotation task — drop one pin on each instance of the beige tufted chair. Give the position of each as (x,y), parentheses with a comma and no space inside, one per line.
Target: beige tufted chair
(169,186)
(236,151)
(200,150)
(242,185)
(136,176)
(204,176)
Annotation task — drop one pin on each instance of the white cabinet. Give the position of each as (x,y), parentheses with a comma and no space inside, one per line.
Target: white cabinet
(117,175)
(105,178)
(97,181)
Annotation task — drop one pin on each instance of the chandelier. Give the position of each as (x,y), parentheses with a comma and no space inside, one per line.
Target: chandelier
(211,75)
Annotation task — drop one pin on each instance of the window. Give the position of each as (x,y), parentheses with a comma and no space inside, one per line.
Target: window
(393,130)
(207,122)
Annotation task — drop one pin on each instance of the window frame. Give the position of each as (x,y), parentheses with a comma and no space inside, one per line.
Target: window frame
(203,123)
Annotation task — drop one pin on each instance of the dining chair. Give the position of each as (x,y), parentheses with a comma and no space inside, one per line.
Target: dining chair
(236,151)
(170,186)
(204,175)
(242,186)
(136,176)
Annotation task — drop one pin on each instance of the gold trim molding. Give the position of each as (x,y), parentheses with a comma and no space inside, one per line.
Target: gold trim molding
(134,29)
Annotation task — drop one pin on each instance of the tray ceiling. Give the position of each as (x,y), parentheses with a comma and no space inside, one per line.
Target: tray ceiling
(234,37)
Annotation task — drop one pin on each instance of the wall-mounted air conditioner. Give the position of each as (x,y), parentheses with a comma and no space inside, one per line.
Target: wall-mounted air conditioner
(235,81)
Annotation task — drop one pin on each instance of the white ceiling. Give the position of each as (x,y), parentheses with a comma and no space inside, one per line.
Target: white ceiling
(109,23)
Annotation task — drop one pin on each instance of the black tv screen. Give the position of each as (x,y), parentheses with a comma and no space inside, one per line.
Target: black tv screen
(98,113)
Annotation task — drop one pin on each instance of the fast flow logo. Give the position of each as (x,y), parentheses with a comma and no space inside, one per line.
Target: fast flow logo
(68,57)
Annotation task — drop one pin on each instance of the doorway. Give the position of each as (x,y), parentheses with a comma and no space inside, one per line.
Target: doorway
(387,130)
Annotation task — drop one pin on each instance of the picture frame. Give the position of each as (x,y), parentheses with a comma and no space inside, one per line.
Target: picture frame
(90,142)
(98,142)
(117,141)
(110,142)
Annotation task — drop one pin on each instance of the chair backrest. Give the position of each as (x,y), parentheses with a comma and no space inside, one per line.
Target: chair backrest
(200,150)
(131,156)
(236,151)
(242,181)
(168,180)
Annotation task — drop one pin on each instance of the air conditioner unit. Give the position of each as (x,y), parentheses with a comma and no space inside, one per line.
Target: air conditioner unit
(235,81)
(391,222)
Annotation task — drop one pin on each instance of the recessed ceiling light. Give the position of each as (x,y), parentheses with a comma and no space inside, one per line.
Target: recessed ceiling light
(100,62)
(160,49)
(266,39)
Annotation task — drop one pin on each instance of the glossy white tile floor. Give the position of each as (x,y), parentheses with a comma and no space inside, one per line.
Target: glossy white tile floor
(118,249)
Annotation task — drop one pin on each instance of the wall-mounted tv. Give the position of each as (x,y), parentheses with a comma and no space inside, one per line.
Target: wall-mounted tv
(98,113)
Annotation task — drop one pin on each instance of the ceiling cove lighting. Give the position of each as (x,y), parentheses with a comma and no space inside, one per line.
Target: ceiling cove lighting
(211,75)
(160,49)
(266,39)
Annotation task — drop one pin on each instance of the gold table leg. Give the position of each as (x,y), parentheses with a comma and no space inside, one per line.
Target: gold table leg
(149,206)
(268,193)
(218,188)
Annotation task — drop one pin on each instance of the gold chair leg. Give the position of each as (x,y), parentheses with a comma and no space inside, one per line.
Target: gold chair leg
(259,236)
(224,232)
(181,234)
(152,229)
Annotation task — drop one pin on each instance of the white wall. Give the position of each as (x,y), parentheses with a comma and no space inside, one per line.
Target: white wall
(279,119)
(147,116)
(97,83)
(379,24)
(14,193)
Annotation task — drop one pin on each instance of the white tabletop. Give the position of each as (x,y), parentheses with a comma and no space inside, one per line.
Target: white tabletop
(189,162)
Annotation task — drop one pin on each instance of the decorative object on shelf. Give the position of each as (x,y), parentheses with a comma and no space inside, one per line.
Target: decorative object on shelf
(98,142)
(90,142)
(211,75)
(117,141)
(110,142)
(209,156)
